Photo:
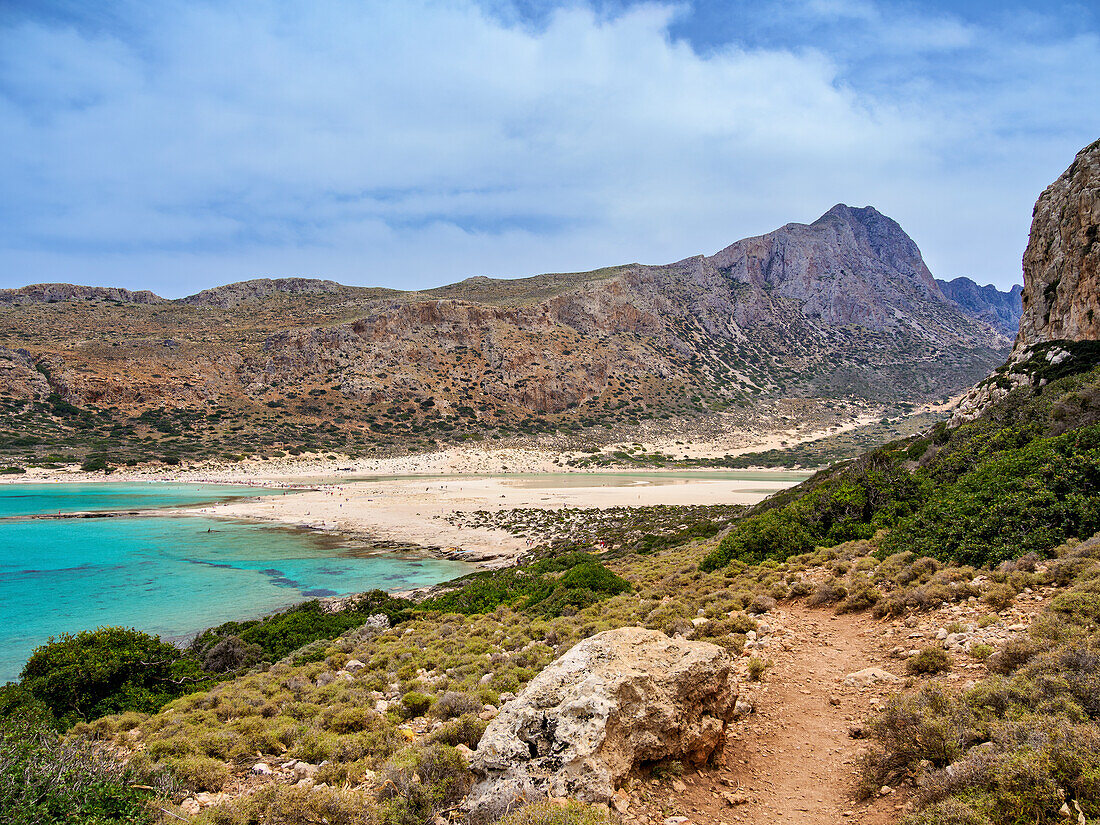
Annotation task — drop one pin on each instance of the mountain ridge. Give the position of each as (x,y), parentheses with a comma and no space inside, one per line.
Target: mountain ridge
(840,310)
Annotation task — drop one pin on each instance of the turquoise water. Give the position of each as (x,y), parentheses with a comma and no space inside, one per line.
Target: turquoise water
(164,574)
(39,499)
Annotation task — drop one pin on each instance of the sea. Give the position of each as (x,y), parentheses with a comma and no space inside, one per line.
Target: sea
(163,573)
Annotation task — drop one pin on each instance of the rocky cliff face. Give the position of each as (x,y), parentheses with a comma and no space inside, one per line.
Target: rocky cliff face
(1062,261)
(1061,297)
(1001,310)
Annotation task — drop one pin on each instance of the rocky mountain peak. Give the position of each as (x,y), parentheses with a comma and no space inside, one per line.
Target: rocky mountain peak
(851,266)
(1062,261)
(1001,310)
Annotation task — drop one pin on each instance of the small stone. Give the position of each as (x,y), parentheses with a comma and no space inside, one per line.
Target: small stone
(354,665)
(620,801)
(261,769)
(885,790)
(735,799)
(678,786)
(304,769)
(834,701)
(676,820)
(191,807)
(871,675)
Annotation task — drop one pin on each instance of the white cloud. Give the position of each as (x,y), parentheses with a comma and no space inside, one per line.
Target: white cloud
(415,143)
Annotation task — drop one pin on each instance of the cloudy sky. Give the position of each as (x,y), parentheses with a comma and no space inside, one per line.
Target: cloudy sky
(178,145)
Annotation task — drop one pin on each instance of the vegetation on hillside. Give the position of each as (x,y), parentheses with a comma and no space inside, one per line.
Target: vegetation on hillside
(377,709)
(1021,479)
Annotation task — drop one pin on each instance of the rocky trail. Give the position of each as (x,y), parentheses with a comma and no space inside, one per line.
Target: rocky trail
(793,760)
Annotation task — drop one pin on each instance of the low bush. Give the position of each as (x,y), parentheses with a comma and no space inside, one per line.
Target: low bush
(47,780)
(275,804)
(552,813)
(465,730)
(930,660)
(420,782)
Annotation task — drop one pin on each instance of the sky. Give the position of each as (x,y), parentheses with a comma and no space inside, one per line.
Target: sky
(175,146)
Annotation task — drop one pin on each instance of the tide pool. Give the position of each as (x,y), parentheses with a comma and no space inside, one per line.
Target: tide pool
(171,575)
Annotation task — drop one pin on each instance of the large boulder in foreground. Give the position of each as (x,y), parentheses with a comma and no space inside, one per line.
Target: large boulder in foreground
(616,700)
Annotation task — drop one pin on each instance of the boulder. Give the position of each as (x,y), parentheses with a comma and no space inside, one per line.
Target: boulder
(616,700)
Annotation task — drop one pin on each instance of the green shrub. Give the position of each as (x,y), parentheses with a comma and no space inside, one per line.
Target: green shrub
(552,813)
(109,670)
(981,651)
(47,780)
(772,534)
(999,596)
(450,704)
(757,666)
(415,703)
(930,660)
(198,773)
(465,730)
(276,804)
(420,782)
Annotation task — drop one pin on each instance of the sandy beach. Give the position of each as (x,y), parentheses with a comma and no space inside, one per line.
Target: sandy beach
(414,511)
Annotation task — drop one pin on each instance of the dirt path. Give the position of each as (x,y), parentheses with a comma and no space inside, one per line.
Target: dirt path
(793,760)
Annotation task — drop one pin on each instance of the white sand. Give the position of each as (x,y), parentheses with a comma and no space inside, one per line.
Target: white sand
(413,510)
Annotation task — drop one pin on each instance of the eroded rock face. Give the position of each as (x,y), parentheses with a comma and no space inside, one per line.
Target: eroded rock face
(1061,300)
(1062,261)
(616,700)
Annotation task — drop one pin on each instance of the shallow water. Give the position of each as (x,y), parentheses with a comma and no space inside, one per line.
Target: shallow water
(167,575)
(41,499)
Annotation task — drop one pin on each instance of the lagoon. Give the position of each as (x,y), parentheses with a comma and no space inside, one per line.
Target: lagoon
(163,574)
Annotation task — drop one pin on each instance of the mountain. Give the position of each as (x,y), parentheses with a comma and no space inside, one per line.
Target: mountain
(1001,310)
(840,309)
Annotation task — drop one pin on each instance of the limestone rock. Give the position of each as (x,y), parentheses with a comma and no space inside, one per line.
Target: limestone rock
(1061,297)
(1062,261)
(872,675)
(616,700)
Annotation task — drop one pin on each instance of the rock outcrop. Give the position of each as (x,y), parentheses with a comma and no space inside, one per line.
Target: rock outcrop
(233,295)
(1061,297)
(617,700)
(1062,260)
(1001,310)
(56,293)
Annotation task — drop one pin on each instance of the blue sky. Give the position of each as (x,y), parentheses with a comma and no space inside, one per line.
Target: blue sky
(178,145)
